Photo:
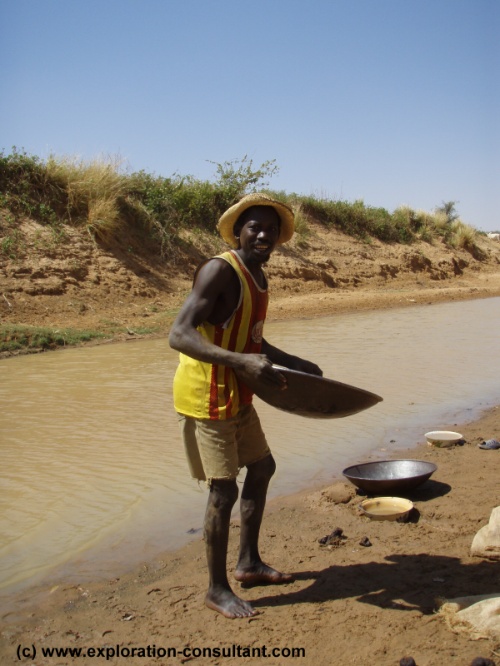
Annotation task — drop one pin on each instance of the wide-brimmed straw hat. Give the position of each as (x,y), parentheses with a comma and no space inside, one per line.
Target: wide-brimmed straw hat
(229,218)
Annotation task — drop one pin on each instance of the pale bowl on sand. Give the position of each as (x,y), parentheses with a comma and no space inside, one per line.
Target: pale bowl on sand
(442,438)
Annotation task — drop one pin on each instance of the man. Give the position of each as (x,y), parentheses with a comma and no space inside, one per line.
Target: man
(219,334)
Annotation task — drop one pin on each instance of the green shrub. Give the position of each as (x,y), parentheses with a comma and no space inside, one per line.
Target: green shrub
(27,190)
(357,219)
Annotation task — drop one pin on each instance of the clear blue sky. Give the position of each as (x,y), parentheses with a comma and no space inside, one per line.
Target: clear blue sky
(390,101)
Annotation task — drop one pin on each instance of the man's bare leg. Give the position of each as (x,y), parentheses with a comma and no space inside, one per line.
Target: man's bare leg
(220,597)
(251,570)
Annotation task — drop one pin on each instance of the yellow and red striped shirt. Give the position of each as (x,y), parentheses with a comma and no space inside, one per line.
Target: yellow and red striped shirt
(210,391)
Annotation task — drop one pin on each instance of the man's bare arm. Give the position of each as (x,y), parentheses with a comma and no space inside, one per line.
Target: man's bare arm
(211,282)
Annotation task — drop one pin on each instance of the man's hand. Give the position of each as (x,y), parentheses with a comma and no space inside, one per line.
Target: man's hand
(258,368)
(307,366)
(280,357)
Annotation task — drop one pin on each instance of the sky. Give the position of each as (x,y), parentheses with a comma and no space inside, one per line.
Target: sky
(394,102)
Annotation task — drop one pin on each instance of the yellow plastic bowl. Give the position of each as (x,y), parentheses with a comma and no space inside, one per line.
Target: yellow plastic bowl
(386,508)
(442,438)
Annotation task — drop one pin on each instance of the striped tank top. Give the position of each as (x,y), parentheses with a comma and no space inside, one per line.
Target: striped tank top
(208,391)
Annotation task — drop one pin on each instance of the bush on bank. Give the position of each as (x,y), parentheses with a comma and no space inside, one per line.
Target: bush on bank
(100,196)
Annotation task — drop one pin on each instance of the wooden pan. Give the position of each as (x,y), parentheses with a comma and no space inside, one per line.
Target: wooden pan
(315,397)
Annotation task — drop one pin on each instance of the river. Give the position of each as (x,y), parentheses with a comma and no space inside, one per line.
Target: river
(93,475)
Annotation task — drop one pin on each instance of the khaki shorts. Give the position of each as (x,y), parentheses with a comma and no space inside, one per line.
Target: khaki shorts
(219,449)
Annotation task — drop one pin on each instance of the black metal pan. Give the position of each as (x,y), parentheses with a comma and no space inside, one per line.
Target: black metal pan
(387,476)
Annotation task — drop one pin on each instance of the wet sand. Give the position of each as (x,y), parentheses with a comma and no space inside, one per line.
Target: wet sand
(349,604)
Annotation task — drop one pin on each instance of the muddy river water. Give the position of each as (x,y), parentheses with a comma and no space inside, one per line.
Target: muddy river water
(93,478)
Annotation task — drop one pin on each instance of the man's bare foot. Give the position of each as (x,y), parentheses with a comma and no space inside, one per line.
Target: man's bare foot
(228,604)
(261,574)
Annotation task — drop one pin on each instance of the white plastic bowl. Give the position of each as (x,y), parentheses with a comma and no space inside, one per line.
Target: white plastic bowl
(442,438)
(387,508)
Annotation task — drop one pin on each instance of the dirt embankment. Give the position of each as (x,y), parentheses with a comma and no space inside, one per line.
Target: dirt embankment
(128,289)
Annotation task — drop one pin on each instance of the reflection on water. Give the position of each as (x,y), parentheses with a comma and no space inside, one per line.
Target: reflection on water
(93,473)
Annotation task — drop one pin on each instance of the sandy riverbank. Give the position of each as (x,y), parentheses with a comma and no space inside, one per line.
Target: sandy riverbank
(348,605)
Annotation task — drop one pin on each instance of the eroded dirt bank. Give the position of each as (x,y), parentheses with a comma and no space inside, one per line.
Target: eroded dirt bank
(127,289)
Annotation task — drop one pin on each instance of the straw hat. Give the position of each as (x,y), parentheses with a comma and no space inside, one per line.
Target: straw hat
(229,218)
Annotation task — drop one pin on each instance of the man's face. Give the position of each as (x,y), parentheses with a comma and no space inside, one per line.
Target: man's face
(259,231)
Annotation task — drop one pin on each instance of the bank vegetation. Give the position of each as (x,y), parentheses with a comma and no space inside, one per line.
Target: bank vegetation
(100,196)
(105,203)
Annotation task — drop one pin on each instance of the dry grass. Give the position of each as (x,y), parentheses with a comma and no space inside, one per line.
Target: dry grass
(94,191)
(463,236)
(440,222)
(302,229)
(426,226)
